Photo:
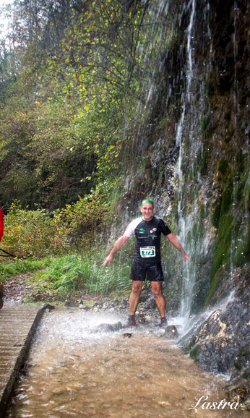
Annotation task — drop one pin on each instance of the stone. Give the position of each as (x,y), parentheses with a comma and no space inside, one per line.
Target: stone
(127,334)
(108,327)
(171,331)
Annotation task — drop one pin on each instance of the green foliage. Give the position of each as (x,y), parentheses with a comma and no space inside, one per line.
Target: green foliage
(76,272)
(28,233)
(12,268)
(45,157)
(8,85)
(82,70)
(194,353)
(78,224)
(80,272)
(36,233)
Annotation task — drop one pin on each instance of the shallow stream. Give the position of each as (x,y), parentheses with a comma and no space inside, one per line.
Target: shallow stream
(75,371)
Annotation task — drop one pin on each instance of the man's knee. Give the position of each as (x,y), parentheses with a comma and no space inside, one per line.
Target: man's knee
(157,289)
(136,287)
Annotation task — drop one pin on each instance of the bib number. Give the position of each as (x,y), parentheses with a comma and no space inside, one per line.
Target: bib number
(147,252)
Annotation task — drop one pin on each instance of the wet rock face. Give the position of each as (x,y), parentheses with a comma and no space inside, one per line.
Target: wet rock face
(215,178)
(222,344)
(216,345)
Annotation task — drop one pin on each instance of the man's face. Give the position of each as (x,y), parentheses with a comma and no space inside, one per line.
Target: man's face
(147,211)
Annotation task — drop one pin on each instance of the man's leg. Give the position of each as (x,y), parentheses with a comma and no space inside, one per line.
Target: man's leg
(134,296)
(133,302)
(159,297)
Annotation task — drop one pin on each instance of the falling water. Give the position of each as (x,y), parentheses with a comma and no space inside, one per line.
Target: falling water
(185,223)
(233,245)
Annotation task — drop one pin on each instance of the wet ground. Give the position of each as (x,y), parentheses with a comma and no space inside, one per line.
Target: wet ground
(75,371)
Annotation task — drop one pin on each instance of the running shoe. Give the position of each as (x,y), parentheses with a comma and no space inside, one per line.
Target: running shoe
(163,323)
(130,323)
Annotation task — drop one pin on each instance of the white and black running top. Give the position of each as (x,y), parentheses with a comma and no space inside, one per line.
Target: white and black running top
(148,238)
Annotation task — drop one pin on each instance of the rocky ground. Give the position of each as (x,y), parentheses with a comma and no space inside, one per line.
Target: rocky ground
(222,342)
(17,288)
(20,289)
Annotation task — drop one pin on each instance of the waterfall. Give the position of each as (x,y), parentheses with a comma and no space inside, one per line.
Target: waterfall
(233,245)
(185,223)
(180,131)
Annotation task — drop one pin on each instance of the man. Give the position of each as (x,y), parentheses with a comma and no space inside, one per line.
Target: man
(147,258)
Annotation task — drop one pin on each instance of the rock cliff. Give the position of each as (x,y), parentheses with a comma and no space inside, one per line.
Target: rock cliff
(196,153)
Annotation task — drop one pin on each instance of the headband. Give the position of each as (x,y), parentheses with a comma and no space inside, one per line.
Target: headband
(147,201)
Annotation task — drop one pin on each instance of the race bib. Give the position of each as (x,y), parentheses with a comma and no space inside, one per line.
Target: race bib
(147,252)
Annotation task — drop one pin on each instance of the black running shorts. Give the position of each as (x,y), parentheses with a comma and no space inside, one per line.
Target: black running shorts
(153,271)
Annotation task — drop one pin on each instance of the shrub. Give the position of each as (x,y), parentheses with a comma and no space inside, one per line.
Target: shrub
(76,223)
(39,233)
(28,232)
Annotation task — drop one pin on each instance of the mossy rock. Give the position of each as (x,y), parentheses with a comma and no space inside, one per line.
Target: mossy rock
(194,353)
(215,215)
(242,253)
(203,211)
(204,123)
(198,230)
(223,166)
(223,242)
(218,277)
(190,345)
(243,357)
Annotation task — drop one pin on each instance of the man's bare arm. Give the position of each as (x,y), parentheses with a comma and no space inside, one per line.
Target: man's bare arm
(119,243)
(174,240)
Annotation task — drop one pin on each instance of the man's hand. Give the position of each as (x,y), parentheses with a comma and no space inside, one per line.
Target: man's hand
(119,243)
(108,260)
(186,257)
(174,240)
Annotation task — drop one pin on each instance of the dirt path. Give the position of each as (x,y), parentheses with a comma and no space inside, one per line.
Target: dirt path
(22,289)
(17,287)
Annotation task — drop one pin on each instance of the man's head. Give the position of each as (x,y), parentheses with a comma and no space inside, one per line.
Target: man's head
(147,209)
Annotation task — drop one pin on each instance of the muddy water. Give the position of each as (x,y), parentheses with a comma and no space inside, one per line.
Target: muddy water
(77,372)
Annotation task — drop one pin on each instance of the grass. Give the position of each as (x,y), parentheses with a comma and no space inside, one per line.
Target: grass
(75,273)
(14,267)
